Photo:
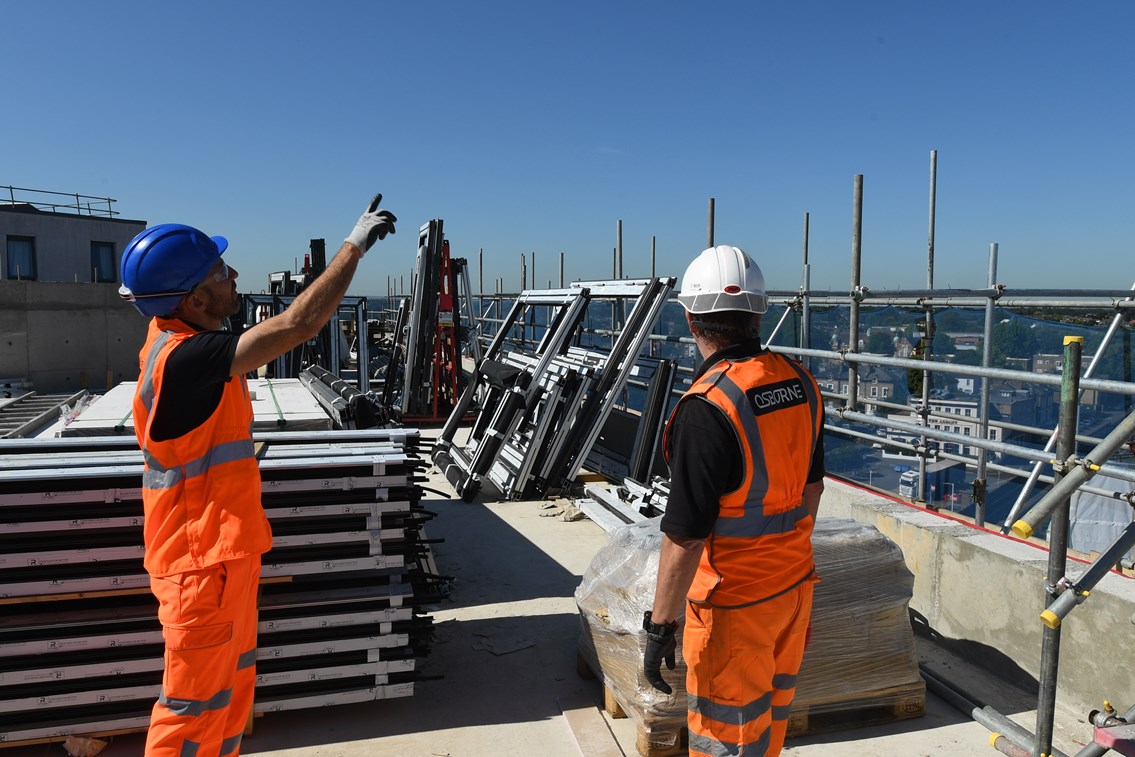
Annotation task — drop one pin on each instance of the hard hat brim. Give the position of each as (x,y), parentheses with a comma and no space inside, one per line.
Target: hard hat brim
(716,302)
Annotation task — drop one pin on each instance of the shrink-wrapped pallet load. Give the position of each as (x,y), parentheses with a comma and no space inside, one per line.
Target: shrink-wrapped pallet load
(859,666)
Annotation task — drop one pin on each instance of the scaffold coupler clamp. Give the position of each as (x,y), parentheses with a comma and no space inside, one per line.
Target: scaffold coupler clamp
(1058,588)
(1062,466)
(859,293)
(1088,465)
(1106,717)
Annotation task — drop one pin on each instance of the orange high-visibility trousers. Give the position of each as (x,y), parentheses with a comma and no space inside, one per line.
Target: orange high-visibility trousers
(209,623)
(742,665)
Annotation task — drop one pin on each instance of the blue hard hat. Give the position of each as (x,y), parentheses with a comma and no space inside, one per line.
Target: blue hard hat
(163,264)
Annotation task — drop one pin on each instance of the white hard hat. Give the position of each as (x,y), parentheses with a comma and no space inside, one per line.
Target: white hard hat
(723,278)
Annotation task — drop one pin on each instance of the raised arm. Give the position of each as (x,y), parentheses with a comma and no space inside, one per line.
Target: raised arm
(314,306)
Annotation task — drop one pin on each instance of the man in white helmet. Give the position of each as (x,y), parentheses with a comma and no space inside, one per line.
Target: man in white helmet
(745,448)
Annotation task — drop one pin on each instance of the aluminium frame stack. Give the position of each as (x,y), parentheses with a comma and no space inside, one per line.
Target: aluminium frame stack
(343,593)
(542,410)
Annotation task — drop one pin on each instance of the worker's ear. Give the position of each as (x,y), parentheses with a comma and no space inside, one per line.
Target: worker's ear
(193,303)
(690,322)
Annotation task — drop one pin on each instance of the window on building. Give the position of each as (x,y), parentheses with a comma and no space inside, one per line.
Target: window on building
(966,430)
(886,391)
(20,260)
(874,391)
(102,262)
(969,411)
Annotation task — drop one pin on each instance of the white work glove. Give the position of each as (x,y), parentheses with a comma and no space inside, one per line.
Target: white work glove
(374,224)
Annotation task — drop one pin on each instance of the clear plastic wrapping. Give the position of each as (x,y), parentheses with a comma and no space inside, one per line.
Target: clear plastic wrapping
(860,656)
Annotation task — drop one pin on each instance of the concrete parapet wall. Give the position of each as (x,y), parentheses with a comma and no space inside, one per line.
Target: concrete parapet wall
(64,337)
(988,590)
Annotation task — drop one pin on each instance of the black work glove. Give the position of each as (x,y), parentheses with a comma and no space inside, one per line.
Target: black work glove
(660,646)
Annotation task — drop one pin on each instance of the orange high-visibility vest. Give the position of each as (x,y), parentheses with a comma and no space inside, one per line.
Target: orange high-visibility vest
(200,491)
(761,544)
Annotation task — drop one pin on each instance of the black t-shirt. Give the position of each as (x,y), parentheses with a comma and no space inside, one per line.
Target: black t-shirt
(706,458)
(195,376)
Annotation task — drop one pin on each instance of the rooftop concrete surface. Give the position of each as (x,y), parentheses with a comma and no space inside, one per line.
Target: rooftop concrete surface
(503,664)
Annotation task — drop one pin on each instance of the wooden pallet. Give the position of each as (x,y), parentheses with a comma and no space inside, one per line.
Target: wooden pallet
(653,741)
(837,716)
(664,740)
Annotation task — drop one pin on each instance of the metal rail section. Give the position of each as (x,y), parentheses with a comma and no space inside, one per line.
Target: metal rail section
(541,402)
(354,309)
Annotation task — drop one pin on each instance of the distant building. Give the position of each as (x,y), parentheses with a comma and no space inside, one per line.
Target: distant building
(1019,403)
(1047,363)
(1018,363)
(64,326)
(964,340)
(875,383)
(956,416)
(57,237)
(1054,364)
(903,347)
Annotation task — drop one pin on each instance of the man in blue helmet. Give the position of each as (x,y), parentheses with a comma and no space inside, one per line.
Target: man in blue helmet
(205,528)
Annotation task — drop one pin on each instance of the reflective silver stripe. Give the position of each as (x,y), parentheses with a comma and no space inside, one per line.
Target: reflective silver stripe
(706,745)
(194,707)
(754,522)
(729,713)
(146,388)
(153,479)
(246,660)
(229,745)
(758,488)
(709,745)
(225,452)
(813,398)
(189,748)
(783,681)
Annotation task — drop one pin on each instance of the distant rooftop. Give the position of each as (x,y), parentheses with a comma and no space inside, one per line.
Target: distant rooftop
(42,200)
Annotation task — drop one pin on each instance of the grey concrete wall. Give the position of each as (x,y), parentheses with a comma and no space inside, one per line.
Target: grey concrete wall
(63,241)
(66,337)
(987,590)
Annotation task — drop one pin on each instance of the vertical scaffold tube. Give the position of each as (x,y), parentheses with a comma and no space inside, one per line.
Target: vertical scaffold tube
(853,318)
(1058,545)
(980,487)
(805,305)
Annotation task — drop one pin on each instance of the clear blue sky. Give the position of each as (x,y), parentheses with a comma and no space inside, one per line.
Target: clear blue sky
(535,127)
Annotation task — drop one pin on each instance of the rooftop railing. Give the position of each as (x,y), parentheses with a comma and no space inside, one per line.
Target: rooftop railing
(59,202)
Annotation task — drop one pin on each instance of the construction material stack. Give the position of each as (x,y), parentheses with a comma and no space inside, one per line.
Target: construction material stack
(344,596)
(541,400)
(859,667)
(424,376)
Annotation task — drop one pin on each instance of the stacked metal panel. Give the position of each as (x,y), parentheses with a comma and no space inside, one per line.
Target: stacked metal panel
(344,586)
(542,402)
(277,405)
(632,502)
